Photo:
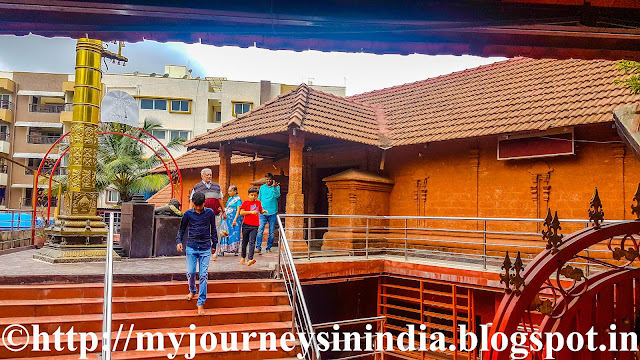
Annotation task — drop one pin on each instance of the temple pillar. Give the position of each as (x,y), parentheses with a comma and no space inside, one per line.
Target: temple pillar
(356,193)
(295,197)
(78,234)
(224,173)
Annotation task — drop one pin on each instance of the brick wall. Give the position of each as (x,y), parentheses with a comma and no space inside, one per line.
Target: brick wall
(464,177)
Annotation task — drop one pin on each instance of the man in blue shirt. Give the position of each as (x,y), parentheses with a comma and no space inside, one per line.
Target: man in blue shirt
(269,194)
(202,238)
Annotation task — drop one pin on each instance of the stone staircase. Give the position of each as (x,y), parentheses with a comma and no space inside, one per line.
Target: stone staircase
(233,305)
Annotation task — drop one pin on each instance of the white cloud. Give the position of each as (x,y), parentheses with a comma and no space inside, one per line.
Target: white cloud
(360,72)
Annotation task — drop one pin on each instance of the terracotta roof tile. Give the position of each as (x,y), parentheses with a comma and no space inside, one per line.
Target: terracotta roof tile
(514,95)
(520,94)
(312,110)
(162,197)
(200,159)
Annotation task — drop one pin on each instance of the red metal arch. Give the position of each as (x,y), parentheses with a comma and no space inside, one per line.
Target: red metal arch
(37,175)
(514,308)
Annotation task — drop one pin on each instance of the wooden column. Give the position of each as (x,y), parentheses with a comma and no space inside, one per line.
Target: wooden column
(224,173)
(295,197)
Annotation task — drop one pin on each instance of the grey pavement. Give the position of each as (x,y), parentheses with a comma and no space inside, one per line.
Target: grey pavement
(22,264)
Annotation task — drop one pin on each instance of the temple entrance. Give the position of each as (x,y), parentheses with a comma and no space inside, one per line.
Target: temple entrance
(320,203)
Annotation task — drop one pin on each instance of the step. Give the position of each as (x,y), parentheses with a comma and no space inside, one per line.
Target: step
(218,353)
(96,290)
(278,328)
(52,307)
(156,319)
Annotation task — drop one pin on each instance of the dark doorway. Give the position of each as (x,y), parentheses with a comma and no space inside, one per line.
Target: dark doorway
(321,203)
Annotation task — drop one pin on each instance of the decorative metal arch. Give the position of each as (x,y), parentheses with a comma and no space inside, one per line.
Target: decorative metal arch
(556,293)
(37,175)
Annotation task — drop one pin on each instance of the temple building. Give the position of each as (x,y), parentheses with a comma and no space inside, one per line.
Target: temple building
(508,139)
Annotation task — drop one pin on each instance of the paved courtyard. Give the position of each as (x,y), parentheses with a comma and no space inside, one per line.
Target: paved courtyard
(22,264)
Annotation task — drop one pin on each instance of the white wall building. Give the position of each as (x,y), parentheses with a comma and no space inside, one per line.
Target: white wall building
(185,106)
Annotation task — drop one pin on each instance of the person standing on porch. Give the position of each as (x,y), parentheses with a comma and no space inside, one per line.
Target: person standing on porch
(231,243)
(268,197)
(213,196)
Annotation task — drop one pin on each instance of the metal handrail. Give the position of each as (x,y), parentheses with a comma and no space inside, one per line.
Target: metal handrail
(46,108)
(393,236)
(350,322)
(398,217)
(301,321)
(42,139)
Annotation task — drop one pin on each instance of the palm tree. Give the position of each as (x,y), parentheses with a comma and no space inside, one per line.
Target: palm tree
(122,161)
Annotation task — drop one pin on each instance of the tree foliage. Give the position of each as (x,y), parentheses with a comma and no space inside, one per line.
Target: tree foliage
(630,68)
(124,163)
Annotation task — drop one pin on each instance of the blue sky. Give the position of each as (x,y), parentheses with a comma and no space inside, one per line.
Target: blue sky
(359,72)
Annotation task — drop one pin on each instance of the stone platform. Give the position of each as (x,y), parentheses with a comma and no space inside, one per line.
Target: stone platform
(20,268)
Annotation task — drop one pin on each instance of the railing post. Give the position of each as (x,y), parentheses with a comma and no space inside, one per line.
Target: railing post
(406,255)
(278,268)
(293,307)
(108,282)
(587,267)
(484,244)
(308,238)
(366,244)
(11,235)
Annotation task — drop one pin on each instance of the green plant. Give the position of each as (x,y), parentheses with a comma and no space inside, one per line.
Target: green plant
(122,161)
(630,68)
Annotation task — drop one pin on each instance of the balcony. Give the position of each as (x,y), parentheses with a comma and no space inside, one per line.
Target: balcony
(41,202)
(3,175)
(47,108)
(4,143)
(7,85)
(42,139)
(67,114)
(6,113)
(44,170)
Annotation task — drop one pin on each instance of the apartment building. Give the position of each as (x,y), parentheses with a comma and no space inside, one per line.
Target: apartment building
(7,96)
(185,106)
(37,108)
(30,122)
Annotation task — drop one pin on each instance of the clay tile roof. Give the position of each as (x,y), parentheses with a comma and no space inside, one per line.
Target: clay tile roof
(311,110)
(200,159)
(520,94)
(162,197)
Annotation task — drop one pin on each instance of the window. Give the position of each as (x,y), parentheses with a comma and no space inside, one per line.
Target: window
(5,101)
(153,104)
(160,134)
(180,105)
(179,134)
(113,196)
(241,108)
(218,116)
(4,133)
(28,193)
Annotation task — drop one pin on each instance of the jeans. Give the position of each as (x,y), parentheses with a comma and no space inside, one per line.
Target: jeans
(202,257)
(272,230)
(248,238)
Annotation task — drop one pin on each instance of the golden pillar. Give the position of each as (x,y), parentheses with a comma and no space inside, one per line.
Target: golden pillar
(78,234)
